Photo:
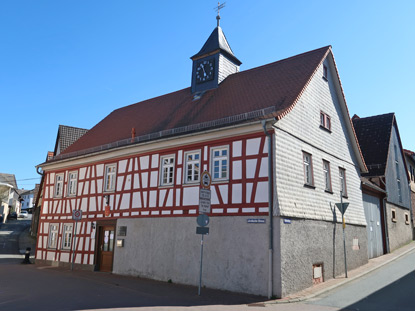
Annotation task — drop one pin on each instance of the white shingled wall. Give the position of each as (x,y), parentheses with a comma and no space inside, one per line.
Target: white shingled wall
(300,131)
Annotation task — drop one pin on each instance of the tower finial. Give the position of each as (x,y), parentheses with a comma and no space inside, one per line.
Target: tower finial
(217,9)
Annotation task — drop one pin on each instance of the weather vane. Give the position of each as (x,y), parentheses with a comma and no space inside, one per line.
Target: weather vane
(217,9)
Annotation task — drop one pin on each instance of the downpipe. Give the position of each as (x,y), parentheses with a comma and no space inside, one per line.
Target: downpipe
(270,212)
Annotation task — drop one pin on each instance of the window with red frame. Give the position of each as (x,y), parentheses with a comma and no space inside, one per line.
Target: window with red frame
(325,121)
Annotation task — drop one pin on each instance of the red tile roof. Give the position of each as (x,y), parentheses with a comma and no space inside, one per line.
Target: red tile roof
(277,86)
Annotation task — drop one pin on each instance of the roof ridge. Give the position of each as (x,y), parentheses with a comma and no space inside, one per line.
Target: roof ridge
(285,59)
(74,127)
(375,116)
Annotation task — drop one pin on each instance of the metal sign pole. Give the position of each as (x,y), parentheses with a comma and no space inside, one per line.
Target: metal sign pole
(74,246)
(344,236)
(201,264)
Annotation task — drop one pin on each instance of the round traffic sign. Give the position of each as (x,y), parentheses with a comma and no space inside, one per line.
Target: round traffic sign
(206,179)
(202,220)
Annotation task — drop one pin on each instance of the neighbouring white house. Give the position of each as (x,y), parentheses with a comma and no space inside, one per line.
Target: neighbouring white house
(9,196)
(26,199)
(279,145)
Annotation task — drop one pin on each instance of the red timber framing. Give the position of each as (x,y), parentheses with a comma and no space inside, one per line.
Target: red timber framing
(138,192)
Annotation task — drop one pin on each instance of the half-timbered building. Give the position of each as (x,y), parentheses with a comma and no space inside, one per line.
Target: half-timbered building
(279,145)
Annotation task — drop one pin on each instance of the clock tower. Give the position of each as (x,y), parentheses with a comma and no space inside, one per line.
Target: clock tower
(214,62)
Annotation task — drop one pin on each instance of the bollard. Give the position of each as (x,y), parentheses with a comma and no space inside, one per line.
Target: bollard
(27,256)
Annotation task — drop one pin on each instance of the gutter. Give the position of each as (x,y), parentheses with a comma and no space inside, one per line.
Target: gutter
(270,212)
(385,219)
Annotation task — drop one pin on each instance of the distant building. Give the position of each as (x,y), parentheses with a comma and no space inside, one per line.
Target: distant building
(27,201)
(9,197)
(410,165)
(381,146)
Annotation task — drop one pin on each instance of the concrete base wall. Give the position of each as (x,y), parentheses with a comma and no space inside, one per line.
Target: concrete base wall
(235,254)
(64,264)
(399,232)
(308,242)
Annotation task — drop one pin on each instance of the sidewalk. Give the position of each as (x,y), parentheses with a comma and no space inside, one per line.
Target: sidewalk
(331,284)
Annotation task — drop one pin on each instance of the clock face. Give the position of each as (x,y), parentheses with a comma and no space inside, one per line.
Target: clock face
(205,70)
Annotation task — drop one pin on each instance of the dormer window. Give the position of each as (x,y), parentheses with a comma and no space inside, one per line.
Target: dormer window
(325,121)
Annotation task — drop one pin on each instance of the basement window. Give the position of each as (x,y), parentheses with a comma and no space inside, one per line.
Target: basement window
(318,273)
(407,218)
(393,212)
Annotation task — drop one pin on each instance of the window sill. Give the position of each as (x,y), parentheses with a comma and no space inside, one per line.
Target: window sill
(309,186)
(325,128)
(328,191)
(166,186)
(193,183)
(220,181)
(346,196)
(325,79)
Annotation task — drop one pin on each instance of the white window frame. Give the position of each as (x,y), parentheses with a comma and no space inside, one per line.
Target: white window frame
(221,161)
(192,167)
(308,169)
(167,170)
(327,176)
(72,183)
(53,235)
(110,177)
(343,181)
(67,232)
(59,178)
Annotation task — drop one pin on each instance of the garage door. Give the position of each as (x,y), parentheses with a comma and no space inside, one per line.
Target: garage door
(374,225)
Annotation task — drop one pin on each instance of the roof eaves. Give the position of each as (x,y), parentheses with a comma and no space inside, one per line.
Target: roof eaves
(363,168)
(265,113)
(401,147)
(283,113)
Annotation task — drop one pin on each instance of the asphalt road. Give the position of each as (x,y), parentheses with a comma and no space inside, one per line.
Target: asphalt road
(9,240)
(391,287)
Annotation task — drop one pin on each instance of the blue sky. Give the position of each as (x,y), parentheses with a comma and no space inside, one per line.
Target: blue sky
(72,62)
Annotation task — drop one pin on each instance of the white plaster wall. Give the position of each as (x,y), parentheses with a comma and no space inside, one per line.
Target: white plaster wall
(235,252)
(300,131)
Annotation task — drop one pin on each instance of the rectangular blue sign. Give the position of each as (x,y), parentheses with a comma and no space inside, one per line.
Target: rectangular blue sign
(255,221)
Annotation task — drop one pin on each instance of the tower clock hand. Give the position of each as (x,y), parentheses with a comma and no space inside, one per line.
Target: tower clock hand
(204,72)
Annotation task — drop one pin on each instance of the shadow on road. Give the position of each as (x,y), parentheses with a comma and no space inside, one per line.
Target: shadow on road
(398,295)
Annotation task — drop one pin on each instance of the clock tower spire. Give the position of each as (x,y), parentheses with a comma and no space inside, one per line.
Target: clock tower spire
(214,62)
